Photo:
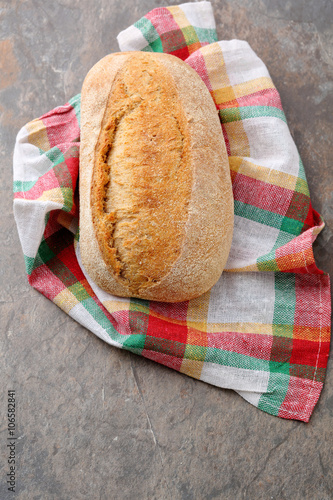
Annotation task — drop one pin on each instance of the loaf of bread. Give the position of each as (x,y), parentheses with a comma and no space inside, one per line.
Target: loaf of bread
(156,204)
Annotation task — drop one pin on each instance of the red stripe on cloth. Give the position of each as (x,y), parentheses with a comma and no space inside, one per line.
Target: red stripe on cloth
(162,20)
(68,170)
(299,207)
(61,126)
(68,257)
(313,218)
(121,323)
(302,242)
(173,311)
(43,280)
(261,194)
(50,180)
(310,218)
(268,97)
(225,104)
(45,183)
(171,35)
(197,62)
(306,352)
(181,53)
(309,269)
(313,302)
(298,250)
(165,329)
(249,344)
(165,359)
(300,400)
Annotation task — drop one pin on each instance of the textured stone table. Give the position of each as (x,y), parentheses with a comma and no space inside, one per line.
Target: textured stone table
(95,422)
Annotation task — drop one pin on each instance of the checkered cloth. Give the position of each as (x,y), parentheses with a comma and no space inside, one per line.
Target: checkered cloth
(264,329)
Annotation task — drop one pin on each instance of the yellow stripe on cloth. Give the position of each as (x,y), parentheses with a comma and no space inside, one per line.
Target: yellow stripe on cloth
(223,91)
(65,300)
(192,368)
(258,328)
(197,312)
(245,269)
(270,176)
(116,305)
(56,195)
(216,68)
(312,333)
(179,16)
(228,93)
(238,140)
(191,38)
(253,86)
(38,135)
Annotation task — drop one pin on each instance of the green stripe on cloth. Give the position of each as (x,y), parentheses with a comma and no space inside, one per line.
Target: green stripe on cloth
(169,347)
(292,226)
(135,343)
(283,321)
(149,49)
(276,393)
(138,318)
(309,372)
(284,306)
(267,262)
(228,115)
(206,35)
(23,186)
(268,218)
(301,184)
(257,214)
(228,358)
(29,264)
(301,171)
(54,155)
(282,239)
(44,255)
(156,46)
(149,32)
(99,316)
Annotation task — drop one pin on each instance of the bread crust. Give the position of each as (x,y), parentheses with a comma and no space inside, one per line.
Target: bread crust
(204,239)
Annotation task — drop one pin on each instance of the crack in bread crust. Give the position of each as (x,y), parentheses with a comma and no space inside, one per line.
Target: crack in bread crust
(142,178)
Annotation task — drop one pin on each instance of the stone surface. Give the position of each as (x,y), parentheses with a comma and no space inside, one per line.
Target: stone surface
(95,422)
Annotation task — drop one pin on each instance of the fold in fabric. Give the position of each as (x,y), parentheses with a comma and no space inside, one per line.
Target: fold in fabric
(264,329)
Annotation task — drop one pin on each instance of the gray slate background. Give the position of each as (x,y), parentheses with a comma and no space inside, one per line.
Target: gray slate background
(98,423)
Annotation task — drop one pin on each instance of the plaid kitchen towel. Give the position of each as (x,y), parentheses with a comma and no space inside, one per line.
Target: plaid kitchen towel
(264,329)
